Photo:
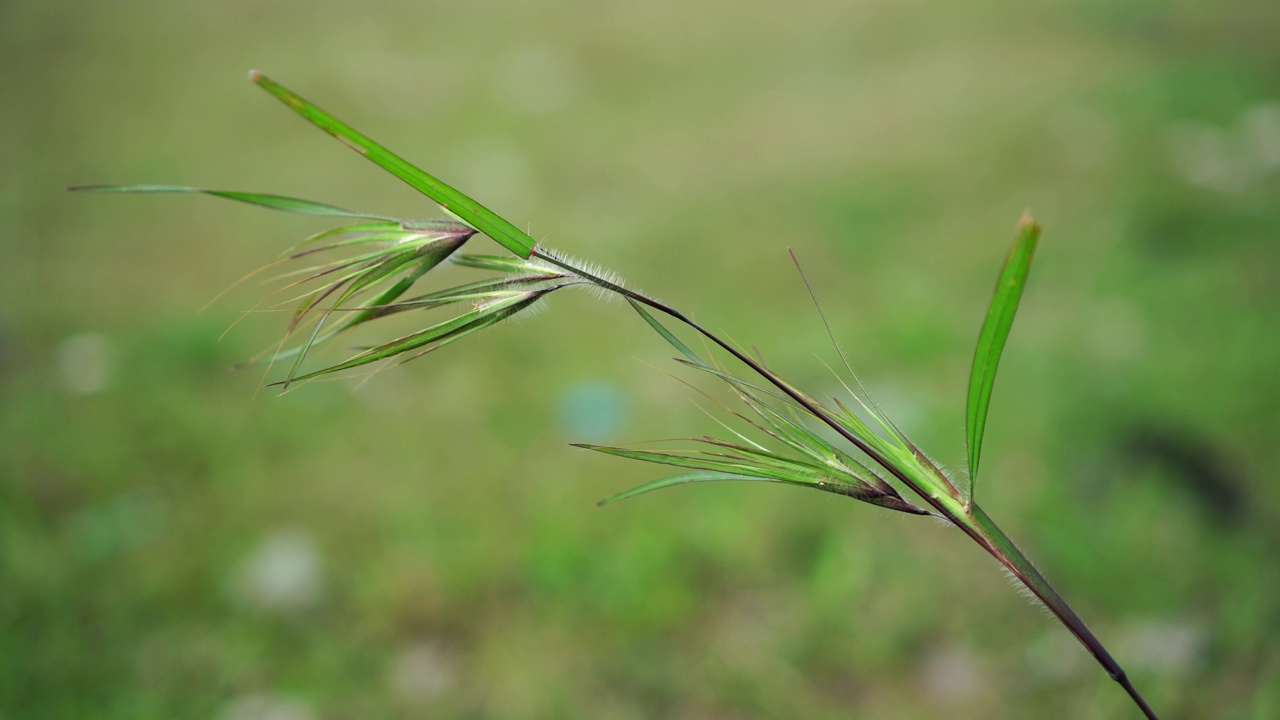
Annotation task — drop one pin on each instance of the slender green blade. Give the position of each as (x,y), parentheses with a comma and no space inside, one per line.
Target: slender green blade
(274,202)
(666,334)
(385,269)
(474,292)
(995,331)
(346,235)
(766,457)
(682,479)
(737,382)
(795,474)
(442,333)
(424,263)
(498,264)
(466,209)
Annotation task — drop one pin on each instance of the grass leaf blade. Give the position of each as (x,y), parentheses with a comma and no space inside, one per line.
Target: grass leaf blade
(466,209)
(273,202)
(991,340)
(666,334)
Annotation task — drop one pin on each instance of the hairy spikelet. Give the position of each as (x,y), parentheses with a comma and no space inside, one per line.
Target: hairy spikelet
(604,283)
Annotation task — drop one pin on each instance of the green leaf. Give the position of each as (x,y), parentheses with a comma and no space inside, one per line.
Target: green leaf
(274,202)
(463,207)
(995,331)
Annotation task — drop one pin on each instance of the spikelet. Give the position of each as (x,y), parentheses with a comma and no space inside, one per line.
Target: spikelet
(603,282)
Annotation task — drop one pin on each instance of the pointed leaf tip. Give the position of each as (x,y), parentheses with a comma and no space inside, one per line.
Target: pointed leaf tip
(454,202)
(1027,223)
(994,334)
(266,200)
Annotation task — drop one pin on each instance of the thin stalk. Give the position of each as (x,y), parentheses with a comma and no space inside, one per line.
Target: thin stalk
(962,513)
(997,543)
(971,518)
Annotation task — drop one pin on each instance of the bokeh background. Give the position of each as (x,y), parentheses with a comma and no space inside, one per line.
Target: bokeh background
(175,543)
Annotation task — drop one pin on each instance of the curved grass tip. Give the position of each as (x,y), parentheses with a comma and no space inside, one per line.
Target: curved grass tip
(994,335)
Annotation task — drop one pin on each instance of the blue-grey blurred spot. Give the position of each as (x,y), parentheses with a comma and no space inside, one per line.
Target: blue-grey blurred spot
(591,411)
(116,525)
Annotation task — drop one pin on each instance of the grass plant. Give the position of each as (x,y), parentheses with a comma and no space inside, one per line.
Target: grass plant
(363,271)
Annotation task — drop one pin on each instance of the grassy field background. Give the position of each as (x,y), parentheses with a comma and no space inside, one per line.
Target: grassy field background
(175,543)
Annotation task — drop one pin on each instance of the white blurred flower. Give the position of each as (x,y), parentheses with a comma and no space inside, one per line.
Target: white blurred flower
(422,672)
(951,674)
(1204,156)
(1175,648)
(266,707)
(282,573)
(1262,130)
(83,363)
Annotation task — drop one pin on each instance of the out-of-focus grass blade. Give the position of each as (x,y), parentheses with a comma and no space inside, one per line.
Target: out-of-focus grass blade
(995,331)
(466,209)
(274,202)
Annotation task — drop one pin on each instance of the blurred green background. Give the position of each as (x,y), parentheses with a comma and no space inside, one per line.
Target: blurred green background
(175,543)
